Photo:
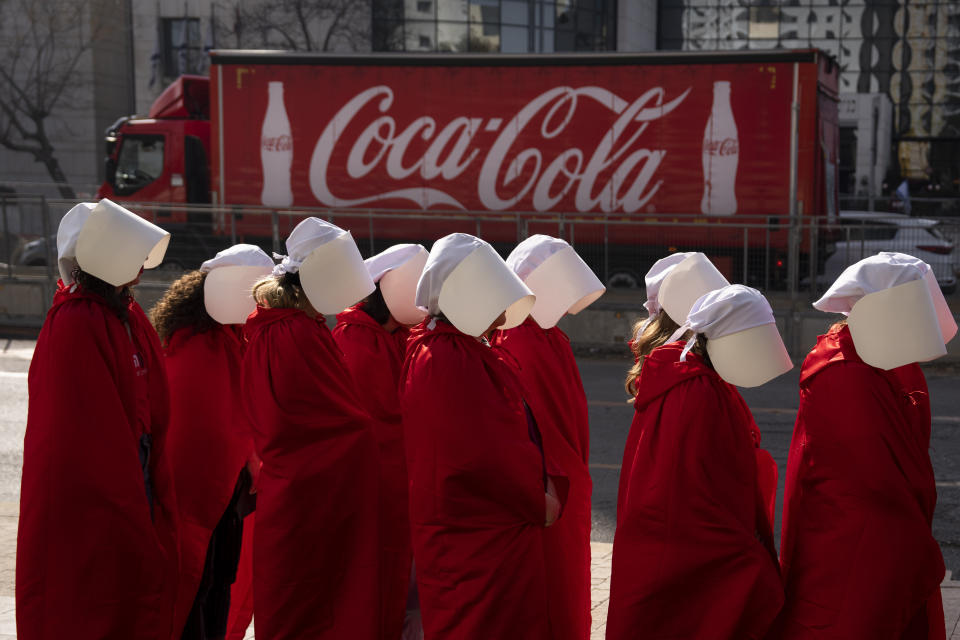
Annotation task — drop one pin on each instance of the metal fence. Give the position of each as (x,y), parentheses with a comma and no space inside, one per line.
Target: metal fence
(767,252)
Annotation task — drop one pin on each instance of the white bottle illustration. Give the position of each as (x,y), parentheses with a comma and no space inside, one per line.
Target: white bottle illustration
(276,151)
(721,154)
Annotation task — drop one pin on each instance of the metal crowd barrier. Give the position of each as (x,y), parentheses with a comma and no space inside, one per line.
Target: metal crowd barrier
(767,252)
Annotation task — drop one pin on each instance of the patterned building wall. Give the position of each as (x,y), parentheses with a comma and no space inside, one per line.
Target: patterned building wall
(908,49)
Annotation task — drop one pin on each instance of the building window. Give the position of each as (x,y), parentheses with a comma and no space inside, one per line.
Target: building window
(182,47)
(504,26)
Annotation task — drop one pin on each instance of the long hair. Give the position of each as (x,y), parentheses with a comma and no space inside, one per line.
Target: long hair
(376,307)
(182,306)
(118,301)
(280,292)
(654,335)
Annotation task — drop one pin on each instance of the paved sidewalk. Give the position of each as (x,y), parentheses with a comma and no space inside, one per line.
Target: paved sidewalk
(600,596)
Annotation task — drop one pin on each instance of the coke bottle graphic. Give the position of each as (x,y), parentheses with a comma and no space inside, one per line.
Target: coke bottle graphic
(721,153)
(276,151)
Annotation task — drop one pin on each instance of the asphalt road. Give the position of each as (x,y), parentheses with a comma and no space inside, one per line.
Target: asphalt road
(774,407)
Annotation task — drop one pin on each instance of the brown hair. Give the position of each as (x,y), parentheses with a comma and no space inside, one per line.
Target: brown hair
(182,306)
(117,301)
(656,334)
(283,292)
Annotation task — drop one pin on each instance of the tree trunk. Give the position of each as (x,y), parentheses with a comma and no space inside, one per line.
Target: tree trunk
(53,168)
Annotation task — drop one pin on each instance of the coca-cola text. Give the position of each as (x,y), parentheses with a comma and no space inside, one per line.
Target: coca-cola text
(616,174)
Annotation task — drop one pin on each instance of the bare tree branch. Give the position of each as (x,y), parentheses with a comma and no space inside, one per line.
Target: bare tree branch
(42,43)
(298,25)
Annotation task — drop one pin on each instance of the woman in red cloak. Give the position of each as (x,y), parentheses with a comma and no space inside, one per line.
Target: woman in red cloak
(858,556)
(693,554)
(97,538)
(316,547)
(541,352)
(372,336)
(479,490)
(200,323)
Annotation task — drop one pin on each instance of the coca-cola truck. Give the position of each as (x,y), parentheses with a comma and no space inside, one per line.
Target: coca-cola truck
(627,155)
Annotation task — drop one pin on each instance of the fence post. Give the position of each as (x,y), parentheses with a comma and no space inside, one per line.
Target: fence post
(275,222)
(6,235)
(766,257)
(746,256)
(477,221)
(814,258)
(370,230)
(233,225)
(51,258)
(606,250)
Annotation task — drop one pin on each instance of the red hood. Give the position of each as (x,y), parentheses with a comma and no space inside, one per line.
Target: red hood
(356,315)
(264,316)
(836,345)
(662,371)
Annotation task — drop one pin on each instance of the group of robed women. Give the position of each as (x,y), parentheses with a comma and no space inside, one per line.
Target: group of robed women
(237,458)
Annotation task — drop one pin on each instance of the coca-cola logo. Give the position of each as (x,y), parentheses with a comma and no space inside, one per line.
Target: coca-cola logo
(277,143)
(616,174)
(725,147)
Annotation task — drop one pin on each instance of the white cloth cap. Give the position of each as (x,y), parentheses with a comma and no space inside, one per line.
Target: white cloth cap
(305,237)
(67,234)
(561,280)
(239,255)
(398,270)
(742,338)
(227,289)
(392,258)
(108,242)
(654,278)
(331,269)
(469,283)
(883,271)
(687,280)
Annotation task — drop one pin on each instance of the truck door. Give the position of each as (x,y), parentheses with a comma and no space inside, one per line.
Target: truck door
(139,167)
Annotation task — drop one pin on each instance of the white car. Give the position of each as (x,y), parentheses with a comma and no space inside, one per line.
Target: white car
(865,233)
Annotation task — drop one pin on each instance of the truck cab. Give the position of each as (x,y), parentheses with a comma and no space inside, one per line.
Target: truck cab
(165,156)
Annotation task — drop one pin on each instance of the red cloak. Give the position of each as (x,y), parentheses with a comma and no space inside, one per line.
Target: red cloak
(315,552)
(858,556)
(554,391)
(209,443)
(94,561)
(374,358)
(693,552)
(477,501)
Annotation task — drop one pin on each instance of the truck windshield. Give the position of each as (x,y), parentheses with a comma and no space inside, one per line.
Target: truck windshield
(139,163)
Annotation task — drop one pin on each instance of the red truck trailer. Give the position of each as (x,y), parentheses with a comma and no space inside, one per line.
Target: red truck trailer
(691,145)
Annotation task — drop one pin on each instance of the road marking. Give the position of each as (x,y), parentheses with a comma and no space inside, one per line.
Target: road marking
(614,467)
(766,410)
(948,484)
(13,374)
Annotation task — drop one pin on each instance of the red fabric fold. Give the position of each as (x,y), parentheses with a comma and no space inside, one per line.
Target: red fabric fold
(374,358)
(316,543)
(693,555)
(93,560)
(553,389)
(210,441)
(477,501)
(858,556)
